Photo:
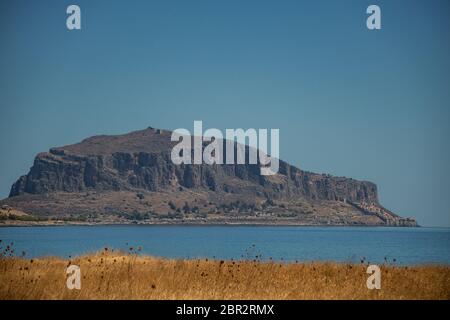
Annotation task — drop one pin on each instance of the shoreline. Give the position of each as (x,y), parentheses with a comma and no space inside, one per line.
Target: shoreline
(28,225)
(235,222)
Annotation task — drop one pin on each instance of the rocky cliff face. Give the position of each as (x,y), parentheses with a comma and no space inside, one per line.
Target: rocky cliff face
(140,161)
(81,167)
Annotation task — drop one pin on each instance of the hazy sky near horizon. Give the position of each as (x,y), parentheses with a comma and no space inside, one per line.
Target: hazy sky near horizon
(371,105)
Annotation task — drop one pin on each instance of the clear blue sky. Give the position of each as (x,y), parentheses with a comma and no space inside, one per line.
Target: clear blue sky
(372,105)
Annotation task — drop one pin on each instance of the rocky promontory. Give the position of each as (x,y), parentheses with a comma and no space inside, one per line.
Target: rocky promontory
(131,178)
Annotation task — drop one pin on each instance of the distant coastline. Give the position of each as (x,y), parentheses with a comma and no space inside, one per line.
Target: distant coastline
(49,223)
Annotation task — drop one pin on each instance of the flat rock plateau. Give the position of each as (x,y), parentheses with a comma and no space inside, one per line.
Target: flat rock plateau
(130,178)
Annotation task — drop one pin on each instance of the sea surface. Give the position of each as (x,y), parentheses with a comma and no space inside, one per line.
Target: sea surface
(402,246)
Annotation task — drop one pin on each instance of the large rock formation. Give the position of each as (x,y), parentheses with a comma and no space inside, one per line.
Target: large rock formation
(139,163)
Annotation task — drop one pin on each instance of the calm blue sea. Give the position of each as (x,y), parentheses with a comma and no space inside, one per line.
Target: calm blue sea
(345,244)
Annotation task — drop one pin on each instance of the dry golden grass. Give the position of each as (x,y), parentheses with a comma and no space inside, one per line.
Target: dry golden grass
(110,275)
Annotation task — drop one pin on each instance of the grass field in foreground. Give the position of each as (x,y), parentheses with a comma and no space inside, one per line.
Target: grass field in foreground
(110,275)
